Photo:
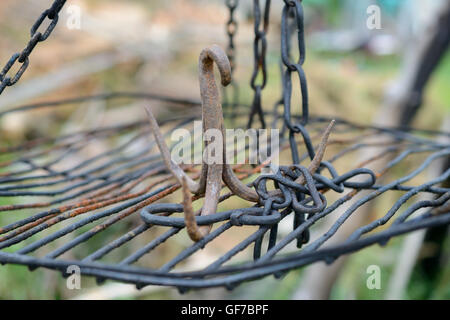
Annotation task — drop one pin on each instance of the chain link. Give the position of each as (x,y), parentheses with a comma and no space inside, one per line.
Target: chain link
(291,22)
(259,50)
(293,9)
(23,57)
(231,28)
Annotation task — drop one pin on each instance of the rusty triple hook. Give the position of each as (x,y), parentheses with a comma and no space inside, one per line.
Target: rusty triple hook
(212,174)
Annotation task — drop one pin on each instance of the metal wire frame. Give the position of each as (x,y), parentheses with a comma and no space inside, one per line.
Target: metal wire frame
(102,212)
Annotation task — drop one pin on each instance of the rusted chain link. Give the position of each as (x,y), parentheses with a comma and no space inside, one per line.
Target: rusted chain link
(231,93)
(231,28)
(295,9)
(23,57)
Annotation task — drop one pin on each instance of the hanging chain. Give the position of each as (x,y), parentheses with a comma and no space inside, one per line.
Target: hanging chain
(23,57)
(259,50)
(294,9)
(231,29)
(291,21)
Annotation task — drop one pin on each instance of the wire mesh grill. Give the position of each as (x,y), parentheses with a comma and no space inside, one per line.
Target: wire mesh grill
(104,201)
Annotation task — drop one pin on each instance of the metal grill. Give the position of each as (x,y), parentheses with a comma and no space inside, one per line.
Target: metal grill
(100,199)
(68,196)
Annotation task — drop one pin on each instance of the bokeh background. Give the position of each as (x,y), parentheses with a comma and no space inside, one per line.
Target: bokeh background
(153,46)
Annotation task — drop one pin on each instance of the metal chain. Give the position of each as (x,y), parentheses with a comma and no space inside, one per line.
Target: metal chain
(231,29)
(259,50)
(294,8)
(291,21)
(23,57)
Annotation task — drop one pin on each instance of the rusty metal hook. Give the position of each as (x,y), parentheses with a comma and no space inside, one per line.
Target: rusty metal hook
(210,182)
(212,174)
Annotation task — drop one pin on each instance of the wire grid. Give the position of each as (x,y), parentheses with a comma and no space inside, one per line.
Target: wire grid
(73,207)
